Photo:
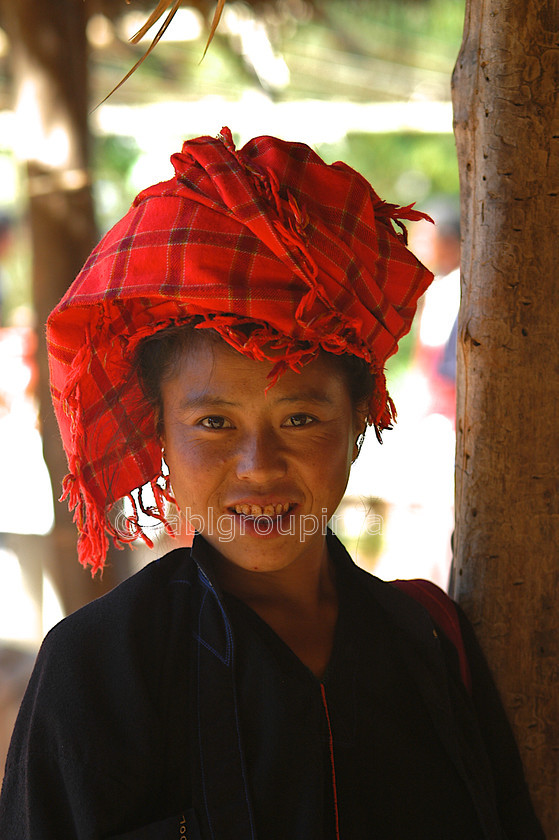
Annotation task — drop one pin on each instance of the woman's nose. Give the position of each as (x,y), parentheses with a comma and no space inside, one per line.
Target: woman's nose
(261,457)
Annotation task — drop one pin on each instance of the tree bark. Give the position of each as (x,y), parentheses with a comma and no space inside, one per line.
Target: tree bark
(49,60)
(507,502)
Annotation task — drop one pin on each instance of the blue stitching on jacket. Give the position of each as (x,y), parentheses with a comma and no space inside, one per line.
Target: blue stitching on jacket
(200,748)
(229,633)
(224,660)
(198,636)
(243,769)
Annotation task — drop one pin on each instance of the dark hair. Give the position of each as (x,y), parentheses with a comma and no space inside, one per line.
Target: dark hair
(158,356)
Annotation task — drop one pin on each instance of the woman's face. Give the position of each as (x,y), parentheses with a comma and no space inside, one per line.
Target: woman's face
(258,473)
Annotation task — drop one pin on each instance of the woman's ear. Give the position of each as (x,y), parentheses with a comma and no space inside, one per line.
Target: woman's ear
(161,434)
(159,423)
(360,426)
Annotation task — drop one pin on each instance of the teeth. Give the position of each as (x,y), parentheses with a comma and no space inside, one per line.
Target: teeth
(259,510)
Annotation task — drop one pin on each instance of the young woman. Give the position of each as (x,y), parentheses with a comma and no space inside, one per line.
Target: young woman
(225,345)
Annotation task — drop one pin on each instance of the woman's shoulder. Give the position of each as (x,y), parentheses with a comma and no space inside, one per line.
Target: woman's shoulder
(107,680)
(404,602)
(121,646)
(141,608)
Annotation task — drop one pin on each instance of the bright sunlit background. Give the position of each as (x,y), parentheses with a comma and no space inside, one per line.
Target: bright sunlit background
(368,83)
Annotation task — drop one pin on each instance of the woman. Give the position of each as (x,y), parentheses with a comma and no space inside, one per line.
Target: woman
(225,344)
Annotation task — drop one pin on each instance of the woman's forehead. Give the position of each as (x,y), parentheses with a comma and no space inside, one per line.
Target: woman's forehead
(212,371)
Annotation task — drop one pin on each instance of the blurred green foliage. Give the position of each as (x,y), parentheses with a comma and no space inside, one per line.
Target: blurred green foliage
(113,158)
(401,167)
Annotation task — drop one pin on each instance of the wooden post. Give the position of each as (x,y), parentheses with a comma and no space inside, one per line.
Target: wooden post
(49,63)
(505,91)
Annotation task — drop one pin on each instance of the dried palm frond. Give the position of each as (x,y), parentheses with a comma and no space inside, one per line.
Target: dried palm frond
(158,12)
(215,23)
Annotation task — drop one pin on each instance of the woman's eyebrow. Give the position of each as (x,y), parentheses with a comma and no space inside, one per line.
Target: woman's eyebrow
(205,400)
(313,395)
(190,402)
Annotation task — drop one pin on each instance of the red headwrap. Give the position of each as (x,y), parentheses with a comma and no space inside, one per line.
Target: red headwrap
(267,235)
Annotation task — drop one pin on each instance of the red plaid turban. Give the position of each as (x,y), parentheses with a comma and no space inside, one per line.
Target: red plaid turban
(268,235)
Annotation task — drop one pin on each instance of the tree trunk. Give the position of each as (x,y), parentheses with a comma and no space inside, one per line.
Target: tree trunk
(49,51)
(507,500)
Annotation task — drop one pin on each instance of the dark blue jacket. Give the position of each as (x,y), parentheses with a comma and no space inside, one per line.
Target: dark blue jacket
(130,725)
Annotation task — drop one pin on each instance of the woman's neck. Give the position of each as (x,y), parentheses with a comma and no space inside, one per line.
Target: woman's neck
(299,602)
(304,584)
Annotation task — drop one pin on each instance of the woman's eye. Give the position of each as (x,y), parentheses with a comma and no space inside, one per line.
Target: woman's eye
(215,422)
(300,420)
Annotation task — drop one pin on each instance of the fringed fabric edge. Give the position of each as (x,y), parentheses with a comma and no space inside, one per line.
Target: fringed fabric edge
(95,527)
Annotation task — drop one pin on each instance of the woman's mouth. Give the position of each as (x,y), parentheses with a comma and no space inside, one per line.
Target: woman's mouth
(265,520)
(268,510)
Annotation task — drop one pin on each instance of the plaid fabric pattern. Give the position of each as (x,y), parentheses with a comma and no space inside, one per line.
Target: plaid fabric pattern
(268,234)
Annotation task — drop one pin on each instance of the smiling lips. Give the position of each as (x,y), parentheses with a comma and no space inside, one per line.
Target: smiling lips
(262,510)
